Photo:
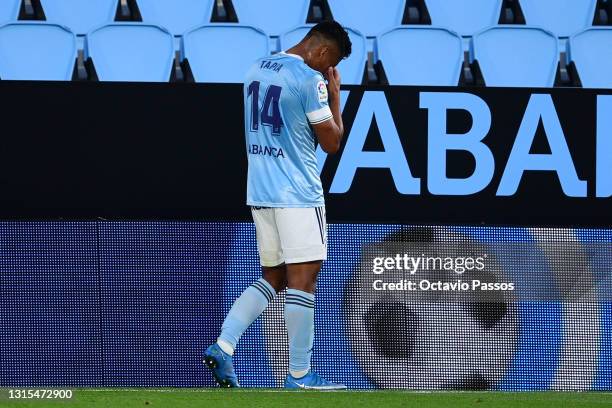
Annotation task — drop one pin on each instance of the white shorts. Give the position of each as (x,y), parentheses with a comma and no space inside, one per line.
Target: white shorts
(290,235)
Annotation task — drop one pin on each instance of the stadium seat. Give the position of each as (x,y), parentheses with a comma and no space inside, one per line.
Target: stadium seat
(465,17)
(516,56)
(561,17)
(369,17)
(211,51)
(351,69)
(79,15)
(591,53)
(421,55)
(177,16)
(273,16)
(9,10)
(131,52)
(36,51)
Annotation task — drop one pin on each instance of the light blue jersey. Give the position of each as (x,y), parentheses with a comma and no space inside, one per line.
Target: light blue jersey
(282,98)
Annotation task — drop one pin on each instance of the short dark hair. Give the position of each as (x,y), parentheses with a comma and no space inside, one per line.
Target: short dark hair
(333,31)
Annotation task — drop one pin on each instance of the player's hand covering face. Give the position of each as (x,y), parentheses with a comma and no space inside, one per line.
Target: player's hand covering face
(333,81)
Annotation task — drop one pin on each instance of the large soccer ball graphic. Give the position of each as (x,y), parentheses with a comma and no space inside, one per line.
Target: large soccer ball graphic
(427,340)
(431,339)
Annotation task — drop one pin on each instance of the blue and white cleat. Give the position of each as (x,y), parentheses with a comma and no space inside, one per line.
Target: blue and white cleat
(220,363)
(312,381)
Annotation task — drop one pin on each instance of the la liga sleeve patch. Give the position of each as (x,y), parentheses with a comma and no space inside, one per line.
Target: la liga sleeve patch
(322,91)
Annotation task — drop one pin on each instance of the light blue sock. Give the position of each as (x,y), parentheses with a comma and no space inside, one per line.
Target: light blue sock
(244,311)
(299,318)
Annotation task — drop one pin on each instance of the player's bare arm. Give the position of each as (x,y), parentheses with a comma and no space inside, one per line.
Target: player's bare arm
(330,132)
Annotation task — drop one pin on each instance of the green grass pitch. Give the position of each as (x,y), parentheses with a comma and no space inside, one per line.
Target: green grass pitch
(177,398)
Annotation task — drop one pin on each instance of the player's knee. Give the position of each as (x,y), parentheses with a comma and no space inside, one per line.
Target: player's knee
(305,285)
(279,285)
(282,286)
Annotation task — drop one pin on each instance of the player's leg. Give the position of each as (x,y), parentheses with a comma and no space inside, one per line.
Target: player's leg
(303,235)
(252,302)
(303,276)
(299,314)
(276,276)
(249,305)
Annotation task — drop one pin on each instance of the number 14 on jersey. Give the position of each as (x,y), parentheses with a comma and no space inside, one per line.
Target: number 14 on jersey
(269,113)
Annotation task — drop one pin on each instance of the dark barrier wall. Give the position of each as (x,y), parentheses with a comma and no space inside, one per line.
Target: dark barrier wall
(411,155)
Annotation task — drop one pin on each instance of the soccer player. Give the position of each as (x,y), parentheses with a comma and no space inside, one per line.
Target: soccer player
(288,107)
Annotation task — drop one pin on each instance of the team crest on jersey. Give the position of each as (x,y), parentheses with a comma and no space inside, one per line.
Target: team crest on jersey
(322,89)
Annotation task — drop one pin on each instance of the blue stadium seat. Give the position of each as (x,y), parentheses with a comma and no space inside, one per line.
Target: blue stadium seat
(177,16)
(36,50)
(591,52)
(351,69)
(368,16)
(212,51)
(131,52)
(80,16)
(273,16)
(421,55)
(9,10)
(562,17)
(465,17)
(516,56)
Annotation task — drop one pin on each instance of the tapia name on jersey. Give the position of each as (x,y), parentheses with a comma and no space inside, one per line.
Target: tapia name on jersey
(274,66)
